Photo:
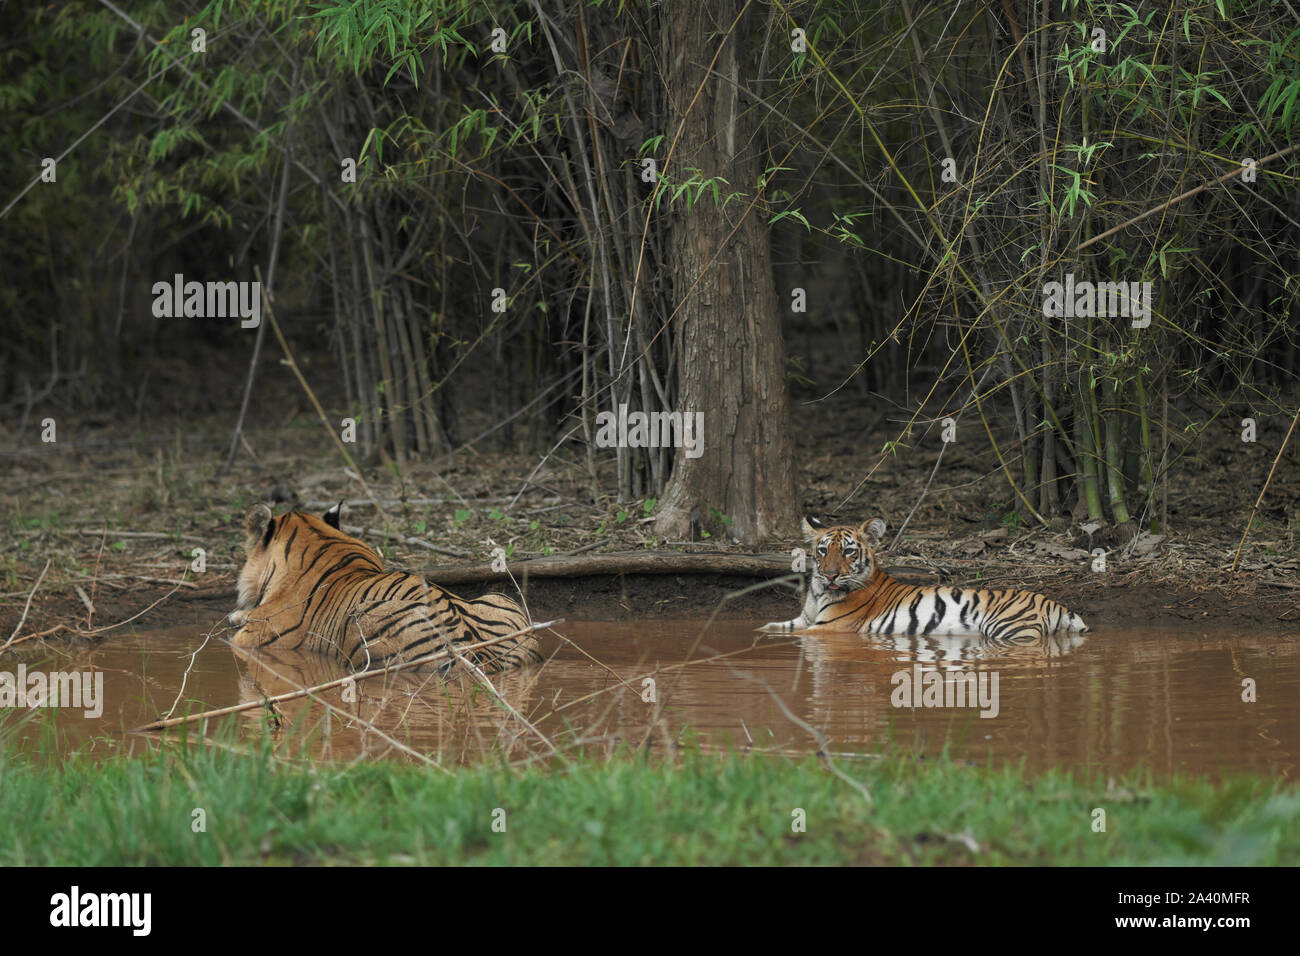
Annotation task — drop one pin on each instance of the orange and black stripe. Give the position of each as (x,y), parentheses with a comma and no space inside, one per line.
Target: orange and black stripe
(306,585)
(849,591)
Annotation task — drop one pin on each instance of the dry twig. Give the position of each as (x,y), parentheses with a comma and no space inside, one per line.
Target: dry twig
(362,675)
(19,626)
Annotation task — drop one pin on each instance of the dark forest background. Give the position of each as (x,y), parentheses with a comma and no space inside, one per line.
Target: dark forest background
(559,208)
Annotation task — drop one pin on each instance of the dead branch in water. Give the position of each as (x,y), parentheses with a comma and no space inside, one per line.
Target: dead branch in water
(360,676)
(622,562)
(359,531)
(308,691)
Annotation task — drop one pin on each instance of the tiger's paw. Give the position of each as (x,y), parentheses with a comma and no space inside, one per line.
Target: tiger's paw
(797,624)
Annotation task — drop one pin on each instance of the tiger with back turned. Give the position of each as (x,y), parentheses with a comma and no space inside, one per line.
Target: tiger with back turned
(307,585)
(849,591)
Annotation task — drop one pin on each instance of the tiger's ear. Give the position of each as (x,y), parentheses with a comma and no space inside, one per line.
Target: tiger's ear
(874,532)
(257,521)
(332,516)
(811,527)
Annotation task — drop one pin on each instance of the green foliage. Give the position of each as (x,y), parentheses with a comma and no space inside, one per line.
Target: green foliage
(479,170)
(693,188)
(125,810)
(1278,103)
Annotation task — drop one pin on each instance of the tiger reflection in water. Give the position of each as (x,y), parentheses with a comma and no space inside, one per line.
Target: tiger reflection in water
(451,718)
(838,660)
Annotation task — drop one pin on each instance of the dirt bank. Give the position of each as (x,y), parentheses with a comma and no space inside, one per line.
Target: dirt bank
(1104,601)
(116,515)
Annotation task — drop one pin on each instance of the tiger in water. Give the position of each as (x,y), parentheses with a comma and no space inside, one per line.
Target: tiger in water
(849,591)
(307,585)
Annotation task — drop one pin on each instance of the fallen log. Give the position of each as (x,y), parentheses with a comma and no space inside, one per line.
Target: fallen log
(621,562)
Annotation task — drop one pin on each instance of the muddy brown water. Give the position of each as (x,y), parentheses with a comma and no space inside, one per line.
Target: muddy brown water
(1168,701)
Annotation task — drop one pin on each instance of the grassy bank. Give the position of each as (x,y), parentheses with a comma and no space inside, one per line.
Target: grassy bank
(699,809)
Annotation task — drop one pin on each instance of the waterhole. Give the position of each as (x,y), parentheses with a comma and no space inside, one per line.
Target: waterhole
(1191,701)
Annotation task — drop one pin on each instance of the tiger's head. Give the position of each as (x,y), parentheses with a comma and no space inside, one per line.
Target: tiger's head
(280,552)
(844,556)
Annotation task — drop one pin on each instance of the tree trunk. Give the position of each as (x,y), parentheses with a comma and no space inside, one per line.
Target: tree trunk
(731,356)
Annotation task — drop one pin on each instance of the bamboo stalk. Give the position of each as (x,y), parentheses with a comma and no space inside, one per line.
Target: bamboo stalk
(1148,458)
(393,415)
(1230,174)
(1088,461)
(1255,510)
(1114,474)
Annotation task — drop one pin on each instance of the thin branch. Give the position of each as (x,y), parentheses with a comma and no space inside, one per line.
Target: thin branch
(363,675)
(1255,510)
(1181,196)
(19,626)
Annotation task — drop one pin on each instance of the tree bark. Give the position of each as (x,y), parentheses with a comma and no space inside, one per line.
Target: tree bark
(731,356)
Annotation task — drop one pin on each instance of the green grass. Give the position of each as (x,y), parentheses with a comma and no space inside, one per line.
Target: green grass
(84,810)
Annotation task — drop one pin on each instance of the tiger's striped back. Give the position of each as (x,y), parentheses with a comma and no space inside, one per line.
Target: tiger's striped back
(849,591)
(308,586)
